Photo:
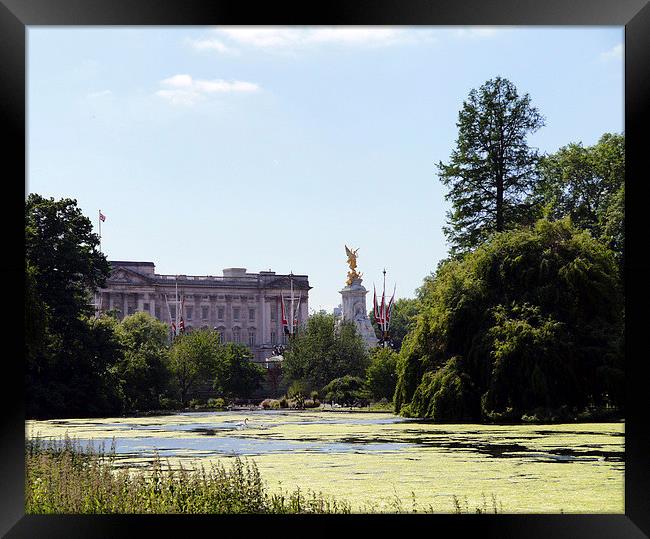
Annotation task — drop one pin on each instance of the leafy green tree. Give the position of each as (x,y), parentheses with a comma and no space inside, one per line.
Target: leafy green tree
(236,374)
(346,390)
(403,313)
(322,351)
(532,319)
(588,185)
(66,375)
(381,375)
(142,371)
(194,357)
(492,170)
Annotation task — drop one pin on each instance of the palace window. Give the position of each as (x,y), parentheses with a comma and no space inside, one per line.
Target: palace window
(145,307)
(236,334)
(236,313)
(251,315)
(251,336)
(205,310)
(273,337)
(158,312)
(274,313)
(221,311)
(172,311)
(222,334)
(190,312)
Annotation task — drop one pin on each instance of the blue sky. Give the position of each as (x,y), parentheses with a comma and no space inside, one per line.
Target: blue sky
(271,148)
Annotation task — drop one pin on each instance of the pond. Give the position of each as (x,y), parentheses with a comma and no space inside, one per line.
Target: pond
(373,459)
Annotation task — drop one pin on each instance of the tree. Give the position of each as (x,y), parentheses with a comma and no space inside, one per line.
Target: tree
(142,371)
(64,254)
(193,358)
(491,171)
(321,351)
(381,375)
(67,373)
(402,316)
(346,390)
(530,320)
(236,374)
(588,185)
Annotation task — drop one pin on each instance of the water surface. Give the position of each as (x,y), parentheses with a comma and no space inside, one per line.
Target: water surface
(373,459)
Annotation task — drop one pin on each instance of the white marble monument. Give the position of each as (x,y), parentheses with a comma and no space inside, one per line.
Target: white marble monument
(354,302)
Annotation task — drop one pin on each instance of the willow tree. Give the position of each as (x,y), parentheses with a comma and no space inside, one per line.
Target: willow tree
(491,172)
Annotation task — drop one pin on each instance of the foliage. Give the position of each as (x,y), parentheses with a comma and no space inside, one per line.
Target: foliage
(217,404)
(403,313)
(588,185)
(270,404)
(346,390)
(68,371)
(235,374)
(65,478)
(142,370)
(491,172)
(381,375)
(193,357)
(532,318)
(321,351)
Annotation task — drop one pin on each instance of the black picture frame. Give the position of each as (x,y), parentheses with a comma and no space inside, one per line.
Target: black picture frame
(16,15)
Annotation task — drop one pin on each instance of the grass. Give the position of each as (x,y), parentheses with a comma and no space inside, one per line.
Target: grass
(63,477)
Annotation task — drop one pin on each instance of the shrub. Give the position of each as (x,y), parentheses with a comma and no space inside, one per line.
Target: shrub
(311,403)
(346,390)
(167,403)
(196,403)
(284,403)
(270,404)
(217,403)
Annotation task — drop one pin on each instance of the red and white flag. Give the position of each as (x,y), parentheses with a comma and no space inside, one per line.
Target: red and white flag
(102,217)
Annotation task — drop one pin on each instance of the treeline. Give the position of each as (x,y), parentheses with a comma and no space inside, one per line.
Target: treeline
(327,360)
(525,318)
(81,365)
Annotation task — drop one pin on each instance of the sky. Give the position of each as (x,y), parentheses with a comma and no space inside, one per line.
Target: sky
(274,147)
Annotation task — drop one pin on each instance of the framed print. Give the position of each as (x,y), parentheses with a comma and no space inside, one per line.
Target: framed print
(478,164)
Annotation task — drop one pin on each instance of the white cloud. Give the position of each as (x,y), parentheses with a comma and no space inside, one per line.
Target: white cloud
(101,93)
(213,45)
(182,89)
(476,32)
(615,53)
(292,37)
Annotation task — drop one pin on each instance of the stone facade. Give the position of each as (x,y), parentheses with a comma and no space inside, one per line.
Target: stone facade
(354,309)
(243,307)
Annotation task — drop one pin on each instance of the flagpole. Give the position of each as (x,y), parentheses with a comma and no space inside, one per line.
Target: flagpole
(99,218)
(292,313)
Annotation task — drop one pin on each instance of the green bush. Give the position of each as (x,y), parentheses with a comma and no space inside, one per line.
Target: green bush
(196,403)
(217,403)
(311,403)
(347,390)
(270,404)
(167,403)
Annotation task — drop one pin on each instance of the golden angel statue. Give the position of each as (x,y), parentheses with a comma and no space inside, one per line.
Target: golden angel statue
(352,262)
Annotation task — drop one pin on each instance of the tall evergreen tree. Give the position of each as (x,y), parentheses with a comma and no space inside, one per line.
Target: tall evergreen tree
(491,171)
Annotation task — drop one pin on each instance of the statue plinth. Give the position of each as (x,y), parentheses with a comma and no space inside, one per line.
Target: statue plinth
(354,309)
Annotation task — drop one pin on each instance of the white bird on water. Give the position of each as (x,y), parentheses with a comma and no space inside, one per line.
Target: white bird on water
(242,424)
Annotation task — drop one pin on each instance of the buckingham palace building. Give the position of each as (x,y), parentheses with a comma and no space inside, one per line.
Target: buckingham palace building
(243,307)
